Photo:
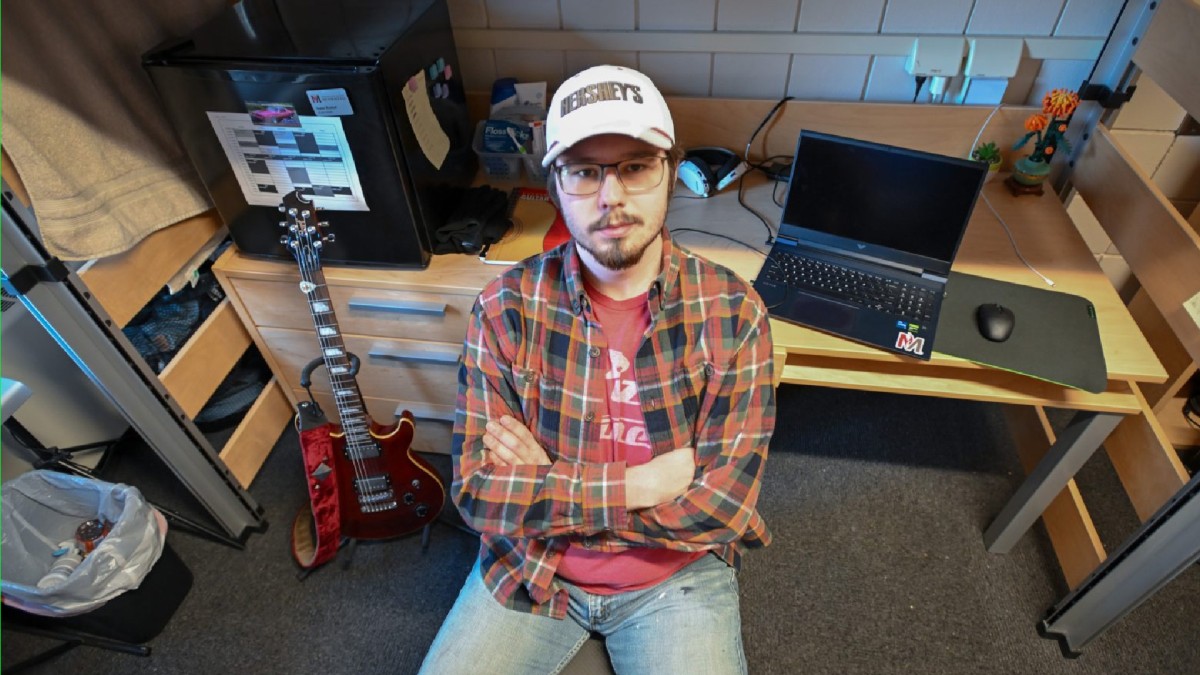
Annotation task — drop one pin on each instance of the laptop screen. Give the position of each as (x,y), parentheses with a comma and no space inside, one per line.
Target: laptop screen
(882,201)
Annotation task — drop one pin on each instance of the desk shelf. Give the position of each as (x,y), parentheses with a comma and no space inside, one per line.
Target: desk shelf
(987,384)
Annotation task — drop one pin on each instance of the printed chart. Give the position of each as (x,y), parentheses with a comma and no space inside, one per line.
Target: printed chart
(270,161)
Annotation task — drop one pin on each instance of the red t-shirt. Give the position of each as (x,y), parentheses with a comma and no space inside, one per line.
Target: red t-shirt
(624,323)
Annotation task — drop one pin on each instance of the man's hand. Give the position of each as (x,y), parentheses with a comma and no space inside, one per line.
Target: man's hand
(660,480)
(509,443)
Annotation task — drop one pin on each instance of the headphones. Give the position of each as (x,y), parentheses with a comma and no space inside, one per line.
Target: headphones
(709,170)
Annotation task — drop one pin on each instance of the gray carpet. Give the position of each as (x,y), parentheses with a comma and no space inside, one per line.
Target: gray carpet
(877,503)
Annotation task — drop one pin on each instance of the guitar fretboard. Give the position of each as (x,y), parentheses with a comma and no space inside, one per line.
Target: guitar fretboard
(352,412)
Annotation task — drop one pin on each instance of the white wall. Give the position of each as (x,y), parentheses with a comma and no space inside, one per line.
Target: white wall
(843,49)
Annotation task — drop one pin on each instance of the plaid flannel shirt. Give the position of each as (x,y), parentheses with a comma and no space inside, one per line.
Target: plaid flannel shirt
(533,350)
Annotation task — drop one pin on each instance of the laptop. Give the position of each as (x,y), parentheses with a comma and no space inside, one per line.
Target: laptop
(866,240)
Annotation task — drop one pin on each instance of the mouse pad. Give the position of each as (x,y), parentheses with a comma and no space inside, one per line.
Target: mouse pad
(1055,336)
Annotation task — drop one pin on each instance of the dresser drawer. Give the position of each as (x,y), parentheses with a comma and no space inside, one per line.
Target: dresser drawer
(362,311)
(434,424)
(403,370)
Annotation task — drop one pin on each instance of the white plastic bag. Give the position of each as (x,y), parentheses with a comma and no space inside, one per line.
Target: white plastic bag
(42,509)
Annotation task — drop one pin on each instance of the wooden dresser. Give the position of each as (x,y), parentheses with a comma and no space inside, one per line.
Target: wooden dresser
(406,326)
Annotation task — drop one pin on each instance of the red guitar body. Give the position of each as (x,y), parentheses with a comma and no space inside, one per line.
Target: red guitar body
(409,499)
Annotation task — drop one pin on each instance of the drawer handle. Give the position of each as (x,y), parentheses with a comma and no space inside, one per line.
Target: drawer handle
(400,306)
(417,356)
(427,415)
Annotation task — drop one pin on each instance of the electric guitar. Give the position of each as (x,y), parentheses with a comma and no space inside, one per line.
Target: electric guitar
(380,489)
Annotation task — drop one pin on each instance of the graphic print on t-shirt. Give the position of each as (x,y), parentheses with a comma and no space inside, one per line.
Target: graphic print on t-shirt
(624,422)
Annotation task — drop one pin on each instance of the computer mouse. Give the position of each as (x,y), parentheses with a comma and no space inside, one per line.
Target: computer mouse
(995,321)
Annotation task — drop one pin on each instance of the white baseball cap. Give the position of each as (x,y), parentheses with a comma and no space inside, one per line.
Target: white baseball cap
(607,100)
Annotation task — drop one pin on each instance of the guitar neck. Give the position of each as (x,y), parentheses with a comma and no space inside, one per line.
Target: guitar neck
(351,410)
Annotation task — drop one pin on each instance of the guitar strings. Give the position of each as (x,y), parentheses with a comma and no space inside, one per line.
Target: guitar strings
(310,272)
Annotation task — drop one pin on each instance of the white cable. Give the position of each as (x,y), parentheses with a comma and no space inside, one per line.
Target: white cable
(1016,250)
(975,143)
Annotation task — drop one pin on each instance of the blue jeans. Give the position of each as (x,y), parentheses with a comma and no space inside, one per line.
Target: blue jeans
(690,623)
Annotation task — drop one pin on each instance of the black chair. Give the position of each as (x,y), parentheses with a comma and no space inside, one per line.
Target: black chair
(591,659)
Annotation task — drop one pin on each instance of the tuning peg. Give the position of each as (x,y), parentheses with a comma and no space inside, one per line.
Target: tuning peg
(323,223)
(305,214)
(281,208)
(283,240)
(283,223)
(318,244)
(292,212)
(331,237)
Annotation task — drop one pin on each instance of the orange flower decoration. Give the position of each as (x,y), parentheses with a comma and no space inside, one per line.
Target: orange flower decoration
(1036,123)
(1060,102)
(1048,150)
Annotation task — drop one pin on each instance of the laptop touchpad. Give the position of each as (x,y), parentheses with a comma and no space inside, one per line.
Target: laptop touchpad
(823,313)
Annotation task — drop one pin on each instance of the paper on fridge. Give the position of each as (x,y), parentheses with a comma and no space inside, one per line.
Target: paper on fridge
(271,161)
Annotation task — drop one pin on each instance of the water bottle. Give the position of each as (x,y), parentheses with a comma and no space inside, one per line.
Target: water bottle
(66,563)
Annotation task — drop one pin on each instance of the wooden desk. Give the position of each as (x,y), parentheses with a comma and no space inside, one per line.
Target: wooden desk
(1050,242)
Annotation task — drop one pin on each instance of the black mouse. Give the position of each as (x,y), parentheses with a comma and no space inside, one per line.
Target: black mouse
(995,321)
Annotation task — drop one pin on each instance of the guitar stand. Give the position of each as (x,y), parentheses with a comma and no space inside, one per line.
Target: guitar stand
(63,460)
(350,544)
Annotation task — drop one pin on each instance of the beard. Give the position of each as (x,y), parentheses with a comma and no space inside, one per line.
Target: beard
(617,254)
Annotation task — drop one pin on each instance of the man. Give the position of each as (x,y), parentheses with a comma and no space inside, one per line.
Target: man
(614,410)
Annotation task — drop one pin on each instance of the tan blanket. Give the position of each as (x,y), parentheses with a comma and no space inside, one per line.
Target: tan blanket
(84,127)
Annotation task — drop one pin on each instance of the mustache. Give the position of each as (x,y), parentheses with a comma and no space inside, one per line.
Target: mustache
(613,218)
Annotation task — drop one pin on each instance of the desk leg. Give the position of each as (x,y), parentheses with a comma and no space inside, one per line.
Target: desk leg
(1075,445)
(1164,546)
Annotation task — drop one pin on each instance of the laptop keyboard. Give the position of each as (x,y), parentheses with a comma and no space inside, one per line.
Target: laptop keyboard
(850,285)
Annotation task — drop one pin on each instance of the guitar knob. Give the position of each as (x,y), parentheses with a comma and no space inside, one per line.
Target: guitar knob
(422,509)
(409,498)
(416,483)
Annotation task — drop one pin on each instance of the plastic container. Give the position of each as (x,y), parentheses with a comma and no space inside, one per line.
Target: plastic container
(502,165)
(507,165)
(533,168)
(64,565)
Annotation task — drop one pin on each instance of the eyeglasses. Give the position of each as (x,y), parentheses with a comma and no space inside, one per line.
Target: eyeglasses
(639,174)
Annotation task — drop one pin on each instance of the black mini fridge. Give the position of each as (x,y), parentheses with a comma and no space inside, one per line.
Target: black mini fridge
(357,103)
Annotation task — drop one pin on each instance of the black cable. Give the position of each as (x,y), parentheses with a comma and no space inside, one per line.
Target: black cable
(763,123)
(1191,410)
(920,83)
(768,162)
(718,234)
(742,201)
(775,191)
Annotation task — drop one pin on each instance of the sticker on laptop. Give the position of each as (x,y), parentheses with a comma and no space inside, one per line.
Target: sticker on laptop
(908,342)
